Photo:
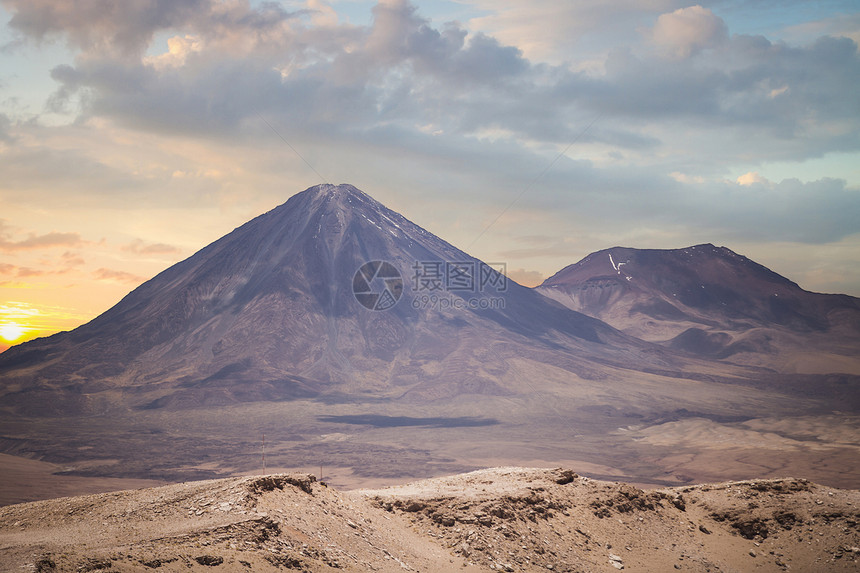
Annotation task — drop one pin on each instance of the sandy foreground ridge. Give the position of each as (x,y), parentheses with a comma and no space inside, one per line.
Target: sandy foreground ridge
(501,519)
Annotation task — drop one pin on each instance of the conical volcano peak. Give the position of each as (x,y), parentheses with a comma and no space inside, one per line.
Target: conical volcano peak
(337,207)
(343,195)
(330,191)
(343,199)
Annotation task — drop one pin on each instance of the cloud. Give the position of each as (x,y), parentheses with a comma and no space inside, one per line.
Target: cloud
(66,263)
(34,241)
(178,50)
(112,275)
(138,247)
(631,202)
(70,259)
(843,25)
(14,310)
(557,32)
(230,62)
(404,87)
(754,208)
(42,241)
(398,71)
(819,211)
(25,272)
(687,31)
(685,178)
(357,84)
(752,178)
(98,26)
(56,160)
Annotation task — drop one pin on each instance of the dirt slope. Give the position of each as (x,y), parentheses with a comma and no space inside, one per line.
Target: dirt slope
(508,519)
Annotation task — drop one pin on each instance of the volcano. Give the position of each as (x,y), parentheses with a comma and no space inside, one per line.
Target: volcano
(329,294)
(352,338)
(711,301)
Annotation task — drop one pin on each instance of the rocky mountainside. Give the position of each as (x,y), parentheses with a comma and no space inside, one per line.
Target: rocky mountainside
(276,310)
(710,301)
(502,519)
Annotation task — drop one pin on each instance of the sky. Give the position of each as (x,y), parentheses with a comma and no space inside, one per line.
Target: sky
(528,132)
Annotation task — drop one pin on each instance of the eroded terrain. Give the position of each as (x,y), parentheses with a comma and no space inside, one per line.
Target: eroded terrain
(502,519)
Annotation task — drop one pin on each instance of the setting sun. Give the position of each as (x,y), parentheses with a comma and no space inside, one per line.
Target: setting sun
(10,332)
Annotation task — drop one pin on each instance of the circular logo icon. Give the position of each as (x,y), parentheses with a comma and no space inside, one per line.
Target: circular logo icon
(377,285)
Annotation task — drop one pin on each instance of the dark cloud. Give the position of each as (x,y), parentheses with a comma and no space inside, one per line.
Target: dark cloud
(104,25)
(125,29)
(751,82)
(346,82)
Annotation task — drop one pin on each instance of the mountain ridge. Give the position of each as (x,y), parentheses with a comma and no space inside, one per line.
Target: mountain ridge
(707,300)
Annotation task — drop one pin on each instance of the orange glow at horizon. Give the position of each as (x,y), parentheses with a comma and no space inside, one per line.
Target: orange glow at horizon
(22,321)
(11,331)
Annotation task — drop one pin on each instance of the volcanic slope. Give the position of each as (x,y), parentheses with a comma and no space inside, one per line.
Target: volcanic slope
(710,301)
(268,312)
(258,347)
(500,519)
